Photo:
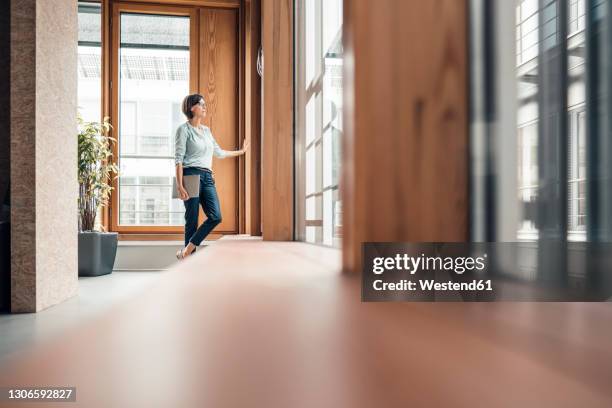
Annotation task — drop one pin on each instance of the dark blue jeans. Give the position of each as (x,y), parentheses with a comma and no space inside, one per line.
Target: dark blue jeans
(209,201)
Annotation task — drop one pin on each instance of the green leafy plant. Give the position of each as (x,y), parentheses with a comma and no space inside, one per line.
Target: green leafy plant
(96,169)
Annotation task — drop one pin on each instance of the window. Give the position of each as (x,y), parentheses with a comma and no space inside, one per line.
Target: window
(153,79)
(527,30)
(89,67)
(537,34)
(531,118)
(318,114)
(89,63)
(527,180)
(576,15)
(577,176)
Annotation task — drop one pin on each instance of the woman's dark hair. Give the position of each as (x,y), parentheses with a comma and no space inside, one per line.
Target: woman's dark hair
(189,102)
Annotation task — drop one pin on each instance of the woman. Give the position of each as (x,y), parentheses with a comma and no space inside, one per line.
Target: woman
(195,147)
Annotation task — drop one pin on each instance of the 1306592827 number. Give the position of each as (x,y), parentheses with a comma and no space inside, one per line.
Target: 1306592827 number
(34,394)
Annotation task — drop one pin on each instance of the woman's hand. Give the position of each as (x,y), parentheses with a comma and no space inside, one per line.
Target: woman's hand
(245,146)
(183,193)
(236,153)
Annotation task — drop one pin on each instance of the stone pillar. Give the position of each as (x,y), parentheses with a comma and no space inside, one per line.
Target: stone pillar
(44,191)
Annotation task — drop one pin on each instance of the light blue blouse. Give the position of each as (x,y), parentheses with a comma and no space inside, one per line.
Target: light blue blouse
(196,148)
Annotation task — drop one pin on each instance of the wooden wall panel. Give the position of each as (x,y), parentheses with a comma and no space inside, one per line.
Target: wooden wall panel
(277,137)
(219,85)
(252,16)
(406,142)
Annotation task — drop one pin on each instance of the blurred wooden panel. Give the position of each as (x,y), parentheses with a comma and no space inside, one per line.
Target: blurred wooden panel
(219,86)
(277,138)
(406,143)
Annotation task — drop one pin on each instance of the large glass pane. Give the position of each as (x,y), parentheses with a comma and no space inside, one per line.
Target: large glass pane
(551,80)
(549,110)
(154,77)
(540,127)
(89,66)
(332,118)
(527,180)
(311,35)
(89,61)
(540,130)
(145,188)
(576,102)
(319,119)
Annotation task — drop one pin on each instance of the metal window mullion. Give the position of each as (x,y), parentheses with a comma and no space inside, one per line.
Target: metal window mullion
(564,131)
(598,90)
(300,92)
(553,128)
(482,117)
(552,197)
(591,126)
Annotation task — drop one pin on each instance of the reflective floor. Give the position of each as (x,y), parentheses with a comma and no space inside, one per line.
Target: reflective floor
(264,324)
(96,297)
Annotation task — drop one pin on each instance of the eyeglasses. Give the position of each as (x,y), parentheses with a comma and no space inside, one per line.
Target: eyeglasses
(202,104)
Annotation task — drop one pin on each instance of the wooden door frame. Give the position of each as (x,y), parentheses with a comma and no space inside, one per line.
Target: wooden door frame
(277,194)
(110,50)
(239,165)
(251,41)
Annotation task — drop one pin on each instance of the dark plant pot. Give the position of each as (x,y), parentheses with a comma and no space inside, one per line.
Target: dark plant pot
(97,251)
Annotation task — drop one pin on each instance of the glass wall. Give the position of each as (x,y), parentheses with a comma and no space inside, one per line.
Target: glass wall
(529,117)
(541,152)
(154,77)
(89,61)
(318,85)
(89,67)
(537,35)
(540,136)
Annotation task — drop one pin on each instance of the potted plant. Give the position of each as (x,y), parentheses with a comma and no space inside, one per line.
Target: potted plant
(97,249)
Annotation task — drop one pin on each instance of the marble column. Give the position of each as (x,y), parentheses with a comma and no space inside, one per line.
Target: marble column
(43,149)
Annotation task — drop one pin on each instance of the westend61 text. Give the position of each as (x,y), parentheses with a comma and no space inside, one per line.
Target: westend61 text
(430,284)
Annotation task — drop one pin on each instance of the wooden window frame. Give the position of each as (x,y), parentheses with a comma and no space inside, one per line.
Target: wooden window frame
(192,3)
(117,9)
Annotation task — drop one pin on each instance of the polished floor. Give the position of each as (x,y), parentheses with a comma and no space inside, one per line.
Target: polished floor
(248,323)
(96,297)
